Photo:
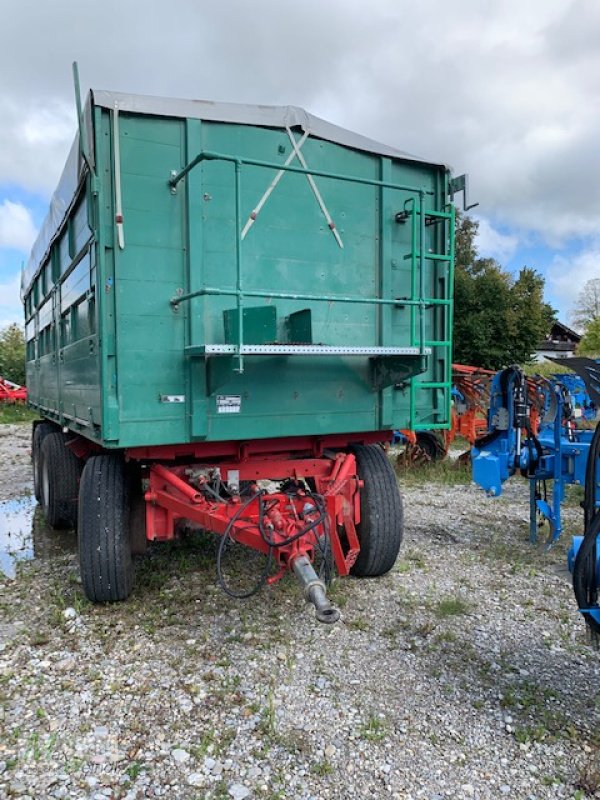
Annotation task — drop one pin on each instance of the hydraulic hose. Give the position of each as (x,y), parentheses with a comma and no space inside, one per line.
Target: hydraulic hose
(585,579)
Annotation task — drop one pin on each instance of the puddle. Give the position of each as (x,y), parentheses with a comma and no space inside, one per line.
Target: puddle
(24,535)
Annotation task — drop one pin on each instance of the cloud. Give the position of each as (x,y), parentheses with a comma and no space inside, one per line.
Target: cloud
(566,276)
(34,142)
(493,244)
(17,230)
(507,92)
(10,302)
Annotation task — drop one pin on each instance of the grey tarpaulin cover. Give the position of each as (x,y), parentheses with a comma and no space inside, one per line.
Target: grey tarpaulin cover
(236,113)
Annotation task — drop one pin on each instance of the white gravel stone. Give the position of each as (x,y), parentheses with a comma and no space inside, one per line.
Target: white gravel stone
(179,755)
(238,791)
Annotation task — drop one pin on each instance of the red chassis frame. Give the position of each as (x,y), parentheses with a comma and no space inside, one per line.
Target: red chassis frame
(178,479)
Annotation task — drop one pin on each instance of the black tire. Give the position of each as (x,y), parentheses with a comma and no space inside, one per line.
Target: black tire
(432,445)
(59,481)
(40,431)
(104,530)
(382,515)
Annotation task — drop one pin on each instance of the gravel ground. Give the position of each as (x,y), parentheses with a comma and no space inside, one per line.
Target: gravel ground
(464,673)
(15,469)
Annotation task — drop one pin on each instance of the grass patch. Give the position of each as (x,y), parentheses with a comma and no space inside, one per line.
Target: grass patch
(322,768)
(358,624)
(447,472)
(588,781)
(573,495)
(451,607)
(373,730)
(16,412)
(133,770)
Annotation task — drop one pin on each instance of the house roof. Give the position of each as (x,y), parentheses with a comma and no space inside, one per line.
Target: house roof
(564,330)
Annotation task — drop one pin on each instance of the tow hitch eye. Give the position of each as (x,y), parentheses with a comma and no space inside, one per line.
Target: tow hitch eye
(314,591)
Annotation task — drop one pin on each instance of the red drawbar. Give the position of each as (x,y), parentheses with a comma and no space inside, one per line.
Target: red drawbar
(291,523)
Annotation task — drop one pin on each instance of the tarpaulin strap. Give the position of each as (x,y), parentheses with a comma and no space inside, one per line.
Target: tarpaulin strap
(313,186)
(118,200)
(269,191)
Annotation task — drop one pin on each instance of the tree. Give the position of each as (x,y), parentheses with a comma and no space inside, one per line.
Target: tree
(590,343)
(498,320)
(530,317)
(12,354)
(587,307)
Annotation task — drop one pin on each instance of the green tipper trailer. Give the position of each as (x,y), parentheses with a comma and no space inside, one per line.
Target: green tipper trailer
(223,294)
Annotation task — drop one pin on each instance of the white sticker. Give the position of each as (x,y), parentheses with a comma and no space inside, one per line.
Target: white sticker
(229,404)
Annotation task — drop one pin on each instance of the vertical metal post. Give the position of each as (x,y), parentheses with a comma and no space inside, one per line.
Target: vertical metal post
(238,264)
(422,272)
(449,310)
(385,313)
(83,142)
(413,297)
(558,486)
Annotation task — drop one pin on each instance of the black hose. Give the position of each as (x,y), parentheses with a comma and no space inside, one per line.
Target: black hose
(222,544)
(585,583)
(272,543)
(589,497)
(290,539)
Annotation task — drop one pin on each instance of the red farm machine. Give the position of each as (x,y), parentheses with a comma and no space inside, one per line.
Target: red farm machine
(11,392)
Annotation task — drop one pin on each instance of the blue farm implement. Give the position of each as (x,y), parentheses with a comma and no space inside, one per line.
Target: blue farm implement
(554,450)
(583,405)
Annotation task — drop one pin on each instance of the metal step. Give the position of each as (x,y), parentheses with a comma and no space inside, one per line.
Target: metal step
(300,350)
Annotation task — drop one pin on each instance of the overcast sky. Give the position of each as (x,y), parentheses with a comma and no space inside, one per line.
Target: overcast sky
(508,91)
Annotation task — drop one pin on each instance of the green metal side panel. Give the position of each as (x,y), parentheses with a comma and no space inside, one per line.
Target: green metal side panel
(149,269)
(63,376)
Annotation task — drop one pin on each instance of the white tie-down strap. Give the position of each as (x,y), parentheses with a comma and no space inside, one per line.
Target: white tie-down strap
(296,153)
(272,185)
(118,199)
(316,191)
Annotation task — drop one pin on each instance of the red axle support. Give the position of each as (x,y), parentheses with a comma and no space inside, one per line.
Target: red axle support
(289,523)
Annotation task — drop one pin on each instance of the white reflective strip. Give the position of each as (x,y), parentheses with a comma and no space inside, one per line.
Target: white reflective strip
(310,350)
(118,201)
(272,185)
(317,193)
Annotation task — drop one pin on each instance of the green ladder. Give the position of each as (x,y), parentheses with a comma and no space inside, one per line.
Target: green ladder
(419,256)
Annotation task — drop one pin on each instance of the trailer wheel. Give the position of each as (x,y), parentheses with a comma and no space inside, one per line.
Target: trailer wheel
(59,481)
(382,516)
(104,530)
(432,445)
(40,431)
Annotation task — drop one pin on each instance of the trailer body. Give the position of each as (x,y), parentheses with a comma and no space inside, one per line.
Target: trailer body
(326,266)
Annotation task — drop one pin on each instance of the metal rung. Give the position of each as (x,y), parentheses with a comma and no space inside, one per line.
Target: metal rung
(300,350)
(433,385)
(430,257)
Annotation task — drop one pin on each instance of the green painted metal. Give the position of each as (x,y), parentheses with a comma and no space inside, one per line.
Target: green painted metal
(117,334)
